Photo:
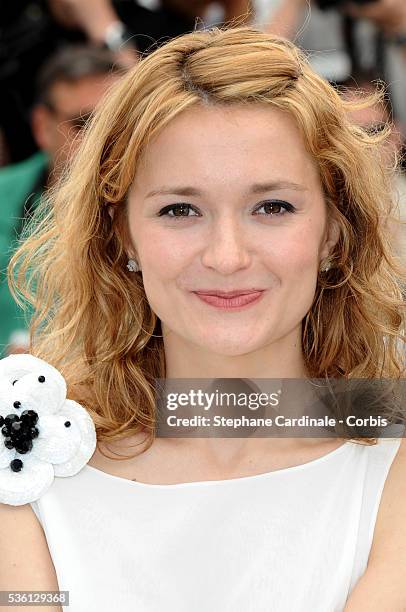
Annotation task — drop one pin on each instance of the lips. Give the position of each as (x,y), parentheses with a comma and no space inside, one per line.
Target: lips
(229,294)
(235,302)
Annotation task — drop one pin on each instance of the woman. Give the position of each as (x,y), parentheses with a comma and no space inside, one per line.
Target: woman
(277,194)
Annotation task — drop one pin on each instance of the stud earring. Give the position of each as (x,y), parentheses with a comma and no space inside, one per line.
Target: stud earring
(133,266)
(326,265)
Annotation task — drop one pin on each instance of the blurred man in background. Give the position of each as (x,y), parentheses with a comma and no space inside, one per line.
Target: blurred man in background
(33,30)
(69,87)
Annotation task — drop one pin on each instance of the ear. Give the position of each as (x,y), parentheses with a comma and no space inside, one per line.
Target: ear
(331,237)
(128,246)
(123,230)
(41,127)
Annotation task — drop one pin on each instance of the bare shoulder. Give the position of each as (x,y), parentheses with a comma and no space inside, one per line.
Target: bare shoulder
(383,584)
(25,561)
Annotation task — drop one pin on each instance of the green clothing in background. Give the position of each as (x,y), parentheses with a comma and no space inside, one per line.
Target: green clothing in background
(21,187)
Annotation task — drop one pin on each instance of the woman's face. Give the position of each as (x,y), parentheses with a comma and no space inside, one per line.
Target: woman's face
(253,216)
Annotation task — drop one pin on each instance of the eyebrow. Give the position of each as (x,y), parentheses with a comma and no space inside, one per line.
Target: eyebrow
(255,188)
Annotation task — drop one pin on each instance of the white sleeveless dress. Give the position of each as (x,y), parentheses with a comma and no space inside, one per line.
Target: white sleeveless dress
(291,540)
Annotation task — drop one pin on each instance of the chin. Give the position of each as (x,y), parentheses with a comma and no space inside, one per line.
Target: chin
(232,348)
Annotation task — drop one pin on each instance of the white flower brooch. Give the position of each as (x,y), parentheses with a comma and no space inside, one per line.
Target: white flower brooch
(43,434)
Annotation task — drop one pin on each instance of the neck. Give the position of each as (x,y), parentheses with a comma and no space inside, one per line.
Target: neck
(280,359)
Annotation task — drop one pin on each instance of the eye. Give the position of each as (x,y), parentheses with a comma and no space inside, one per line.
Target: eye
(274,207)
(179,208)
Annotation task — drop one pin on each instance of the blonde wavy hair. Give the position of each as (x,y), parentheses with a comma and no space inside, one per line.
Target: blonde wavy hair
(92,320)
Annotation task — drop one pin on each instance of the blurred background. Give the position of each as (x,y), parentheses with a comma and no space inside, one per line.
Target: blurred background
(58,58)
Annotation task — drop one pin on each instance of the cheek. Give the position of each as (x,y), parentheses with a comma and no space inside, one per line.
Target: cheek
(301,271)
(296,252)
(303,258)
(163,253)
(163,262)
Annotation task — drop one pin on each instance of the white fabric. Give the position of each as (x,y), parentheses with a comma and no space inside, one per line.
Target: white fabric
(291,540)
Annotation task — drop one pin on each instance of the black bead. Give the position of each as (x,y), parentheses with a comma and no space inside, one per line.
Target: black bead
(5,430)
(29,415)
(10,418)
(67,423)
(8,443)
(20,437)
(16,427)
(41,378)
(16,465)
(1,420)
(17,404)
(24,446)
(34,432)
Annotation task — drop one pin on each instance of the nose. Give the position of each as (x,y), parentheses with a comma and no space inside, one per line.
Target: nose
(226,250)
